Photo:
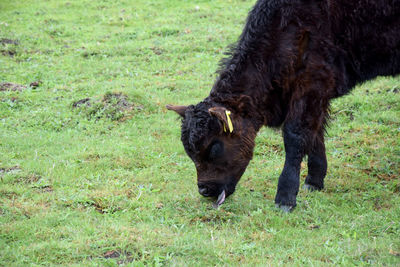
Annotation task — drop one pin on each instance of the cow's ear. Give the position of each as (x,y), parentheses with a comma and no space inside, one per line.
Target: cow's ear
(224,116)
(178,109)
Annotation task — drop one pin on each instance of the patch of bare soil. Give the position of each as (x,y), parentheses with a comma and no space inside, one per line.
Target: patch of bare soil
(8,194)
(8,52)
(10,169)
(379,175)
(126,257)
(105,209)
(29,179)
(99,206)
(45,188)
(6,86)
(117,99)
(5,41)
(114,106)
(35,84)
(9,47)
(82,102)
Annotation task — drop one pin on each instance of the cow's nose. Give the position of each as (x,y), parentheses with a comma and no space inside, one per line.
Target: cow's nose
(203,190)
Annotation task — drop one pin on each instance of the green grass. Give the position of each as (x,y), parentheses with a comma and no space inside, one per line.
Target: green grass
(99,185)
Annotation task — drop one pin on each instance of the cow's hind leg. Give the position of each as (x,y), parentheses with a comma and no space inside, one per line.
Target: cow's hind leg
(317,164)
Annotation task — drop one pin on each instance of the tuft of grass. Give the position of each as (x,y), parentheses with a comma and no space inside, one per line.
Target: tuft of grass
(107,182)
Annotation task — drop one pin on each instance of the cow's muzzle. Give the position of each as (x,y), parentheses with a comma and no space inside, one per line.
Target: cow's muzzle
(214,190)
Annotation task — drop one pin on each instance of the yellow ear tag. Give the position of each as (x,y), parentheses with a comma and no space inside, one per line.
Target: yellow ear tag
(230,125)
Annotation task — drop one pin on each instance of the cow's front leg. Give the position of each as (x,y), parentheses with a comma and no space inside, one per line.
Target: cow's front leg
(289,180)
(317,164)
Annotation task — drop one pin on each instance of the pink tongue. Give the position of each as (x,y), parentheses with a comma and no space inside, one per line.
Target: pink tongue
(220,200)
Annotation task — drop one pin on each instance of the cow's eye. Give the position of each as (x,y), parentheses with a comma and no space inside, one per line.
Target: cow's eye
(216,150)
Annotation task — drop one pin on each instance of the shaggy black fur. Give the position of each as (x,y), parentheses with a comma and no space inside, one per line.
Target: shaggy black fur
(291,59)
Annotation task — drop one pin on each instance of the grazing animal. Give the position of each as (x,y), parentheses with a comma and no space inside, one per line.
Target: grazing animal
(291,59)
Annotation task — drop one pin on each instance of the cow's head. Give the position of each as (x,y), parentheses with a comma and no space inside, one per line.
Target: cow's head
(220,143)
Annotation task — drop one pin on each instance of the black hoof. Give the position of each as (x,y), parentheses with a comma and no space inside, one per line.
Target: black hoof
(311,188)
(284,208)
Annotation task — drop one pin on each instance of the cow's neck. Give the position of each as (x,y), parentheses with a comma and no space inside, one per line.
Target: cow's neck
(245,89)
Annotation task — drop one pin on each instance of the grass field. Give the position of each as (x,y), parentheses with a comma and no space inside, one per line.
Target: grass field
(92,171)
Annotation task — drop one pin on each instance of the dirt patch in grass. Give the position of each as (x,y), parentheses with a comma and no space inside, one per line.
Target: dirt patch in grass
(8,194)
(28,179)
(381,176)
(114,106)
(5,41)
(104,209)
(157,50)
(111,254)
(124,256)
(118,99)
(7,86)
(212,218)
(9,170)
(9,47)
(82,102)
(22,178)
(35,84)
(381,203)
(9,52)
(45,188)
(100,205)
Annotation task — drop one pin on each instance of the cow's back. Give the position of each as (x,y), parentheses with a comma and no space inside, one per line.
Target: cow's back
(368,32)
